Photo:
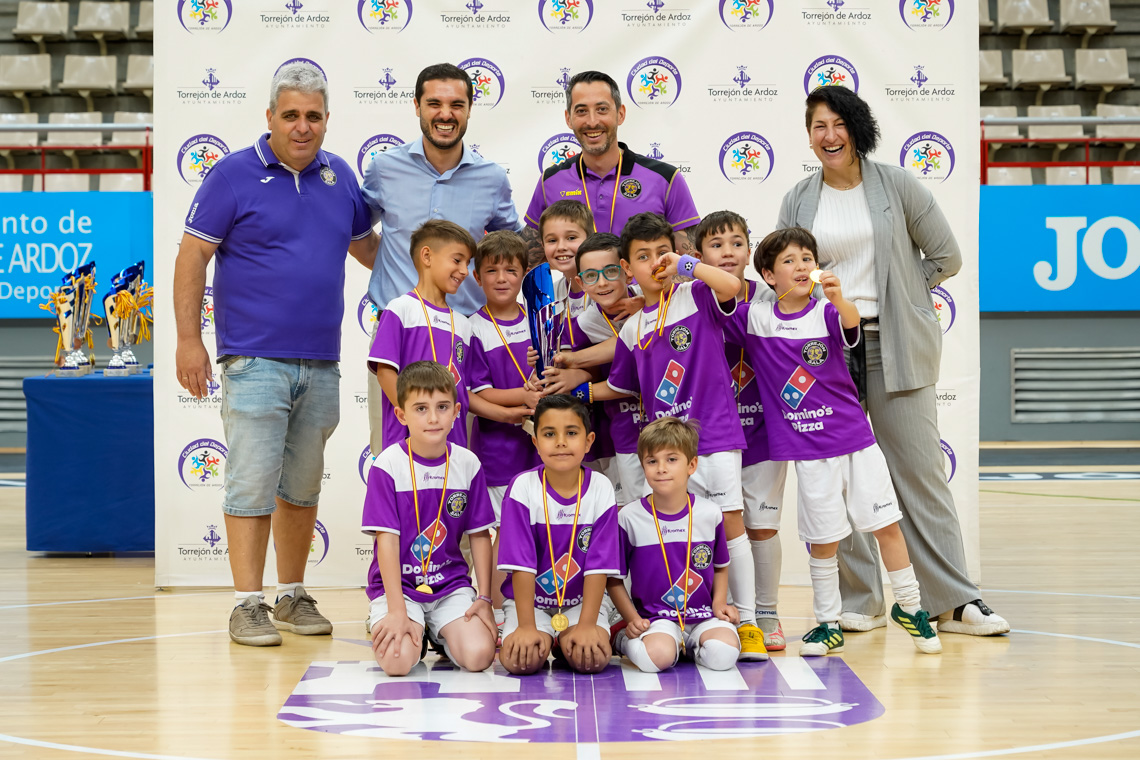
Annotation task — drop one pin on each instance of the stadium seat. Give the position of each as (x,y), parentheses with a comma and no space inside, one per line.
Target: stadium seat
(1087,17)
(23,139)
(1126,175)
(131,138)
(120,183)
(41,21)
(140,74)
(990,70)
(63,183)
(985,23)
(74,138)
(1005,112)
(103,21)
(11,183)
(145,28)
(1038,70)
(21,74)
(87,74)
(1118,131)
(1005,175)
(1058,132)
(1071,175)
(1103,69)
(1022,17)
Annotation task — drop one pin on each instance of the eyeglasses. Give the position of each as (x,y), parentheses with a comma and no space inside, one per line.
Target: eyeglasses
(591,276)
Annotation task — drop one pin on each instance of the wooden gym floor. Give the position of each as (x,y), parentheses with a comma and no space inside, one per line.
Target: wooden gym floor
(93,661)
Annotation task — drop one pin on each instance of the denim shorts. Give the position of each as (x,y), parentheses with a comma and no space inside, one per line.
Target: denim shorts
(277,415)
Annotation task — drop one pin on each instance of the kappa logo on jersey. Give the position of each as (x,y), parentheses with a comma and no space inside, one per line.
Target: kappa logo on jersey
(684,588)
(584,538)
(671,383)
(422,545)
(680,338)
(552,585)
(797,387)
(456,504)
(742,375)
(701,556)
(814,352)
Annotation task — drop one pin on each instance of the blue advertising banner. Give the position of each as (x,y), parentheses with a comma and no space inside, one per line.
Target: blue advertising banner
(1045,248)
(43,236)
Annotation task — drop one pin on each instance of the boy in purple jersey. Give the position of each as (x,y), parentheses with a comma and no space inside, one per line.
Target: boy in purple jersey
(814,419)
(559,543)
(722,239)
(672,356)
(423,495)
(673,550)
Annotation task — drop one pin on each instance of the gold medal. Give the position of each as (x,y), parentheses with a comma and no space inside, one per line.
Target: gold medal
(559,623)
(815,273)
(423,588)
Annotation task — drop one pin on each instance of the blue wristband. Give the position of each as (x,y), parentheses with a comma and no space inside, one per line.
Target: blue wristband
(583,393)
(687,264)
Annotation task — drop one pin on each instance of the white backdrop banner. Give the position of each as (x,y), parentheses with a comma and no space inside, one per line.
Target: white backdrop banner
(714,87)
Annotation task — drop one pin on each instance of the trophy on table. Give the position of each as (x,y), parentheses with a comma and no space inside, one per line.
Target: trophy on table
(71,305)
(126,306)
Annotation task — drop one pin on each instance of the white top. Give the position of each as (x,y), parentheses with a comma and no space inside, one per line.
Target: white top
(846,240)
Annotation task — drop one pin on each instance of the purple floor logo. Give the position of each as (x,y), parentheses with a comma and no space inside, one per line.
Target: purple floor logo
(747,157)
(740,15)
(204,15)
(926,14)
(367,315)
(944,308)
(487,81)
(557,150)
(384,15)
(831,71)
(928,156)
(565,15)
(309,61)
(201,464)
(364,463)
(950,464)
(654,81)
(372,148)
(438,702)
(319,548)
(197,157)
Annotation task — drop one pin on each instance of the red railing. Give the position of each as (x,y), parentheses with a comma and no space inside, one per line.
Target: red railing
(146,150)
(1087,142)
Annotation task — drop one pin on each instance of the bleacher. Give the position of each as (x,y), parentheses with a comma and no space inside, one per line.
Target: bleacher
(1060,58)
(87,62)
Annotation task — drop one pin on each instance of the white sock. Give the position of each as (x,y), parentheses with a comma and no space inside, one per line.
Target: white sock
(742,578)
(768,558)
(500,617)
(905,588)
(241,596)
(716,655)
(825,589)
(287,589)
(634,649)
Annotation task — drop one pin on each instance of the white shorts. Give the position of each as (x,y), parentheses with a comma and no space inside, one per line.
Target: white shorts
(497,493)
(608,466)
(433,616)
(763,486)
(718,479)
(692,633)
(633,484)
(871,500)
(542,617)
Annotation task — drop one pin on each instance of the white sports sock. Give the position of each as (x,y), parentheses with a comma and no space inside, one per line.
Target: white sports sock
(500,617)
(241,596)
(742,578)
(634,649)
(768,558)
(904,586)
(716,655)
(287,589)
(825,589)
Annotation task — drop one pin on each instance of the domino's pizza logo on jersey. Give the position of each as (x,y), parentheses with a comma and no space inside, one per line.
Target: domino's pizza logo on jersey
(678,595)
(742,375)
(583,540)
(814,352)
(430,538)
(797,387)
(456,503)
(680,338)
(568,570)
(701,556)
(670,384)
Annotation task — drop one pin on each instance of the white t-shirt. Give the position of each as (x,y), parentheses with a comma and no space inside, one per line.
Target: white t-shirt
(846,240)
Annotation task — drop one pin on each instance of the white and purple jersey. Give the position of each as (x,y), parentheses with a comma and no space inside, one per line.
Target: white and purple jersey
(403,337)
(490,365)
(389,507)
(574,303)
(523,545)
(682,372)
(811,407)
(747,390)
(620,418)
(655,594)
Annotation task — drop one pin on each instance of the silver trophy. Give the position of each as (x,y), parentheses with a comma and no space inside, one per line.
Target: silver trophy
(121,307)
(137,299)
(72,308)
(543,313)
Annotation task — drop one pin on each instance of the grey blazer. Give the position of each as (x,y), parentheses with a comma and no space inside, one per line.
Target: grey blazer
(915,250)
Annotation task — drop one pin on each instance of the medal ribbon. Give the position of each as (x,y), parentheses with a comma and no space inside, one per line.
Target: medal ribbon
(426,563)
(503,338)
(662,317)
(431,330)
(560,594)
(613,201)
(688,554)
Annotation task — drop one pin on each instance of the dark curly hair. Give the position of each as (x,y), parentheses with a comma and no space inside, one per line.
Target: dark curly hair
(856,114)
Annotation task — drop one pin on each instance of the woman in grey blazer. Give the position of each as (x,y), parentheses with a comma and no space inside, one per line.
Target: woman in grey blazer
(882,232)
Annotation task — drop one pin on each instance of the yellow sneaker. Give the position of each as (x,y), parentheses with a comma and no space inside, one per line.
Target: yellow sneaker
(751,643)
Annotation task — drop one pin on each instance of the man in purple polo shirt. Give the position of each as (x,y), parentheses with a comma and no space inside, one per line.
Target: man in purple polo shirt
(280,216)
(612,180)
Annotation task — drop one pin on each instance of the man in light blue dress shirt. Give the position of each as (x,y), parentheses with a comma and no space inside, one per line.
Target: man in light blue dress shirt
(437,177)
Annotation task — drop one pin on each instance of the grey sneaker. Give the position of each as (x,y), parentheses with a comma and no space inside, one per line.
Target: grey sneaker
(298,614)
(249,624)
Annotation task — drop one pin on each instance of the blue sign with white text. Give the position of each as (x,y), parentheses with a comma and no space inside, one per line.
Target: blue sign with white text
(43,236)
(1045,248)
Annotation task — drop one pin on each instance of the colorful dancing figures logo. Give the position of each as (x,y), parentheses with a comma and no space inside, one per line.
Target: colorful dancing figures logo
(928,155)
(740,15)
(384,15)
(200,465)
(566,15)
(558,150)
(197,157)
(831,71)
(926,14)
(373,147)
(654,81)
(487,82)
(204,15)
(746,156)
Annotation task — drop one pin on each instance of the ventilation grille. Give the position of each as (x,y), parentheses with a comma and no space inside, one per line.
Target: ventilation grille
(13,370)
(1076,385)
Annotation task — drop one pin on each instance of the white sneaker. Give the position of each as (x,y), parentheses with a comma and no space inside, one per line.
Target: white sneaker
(855,621)
(973,619)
